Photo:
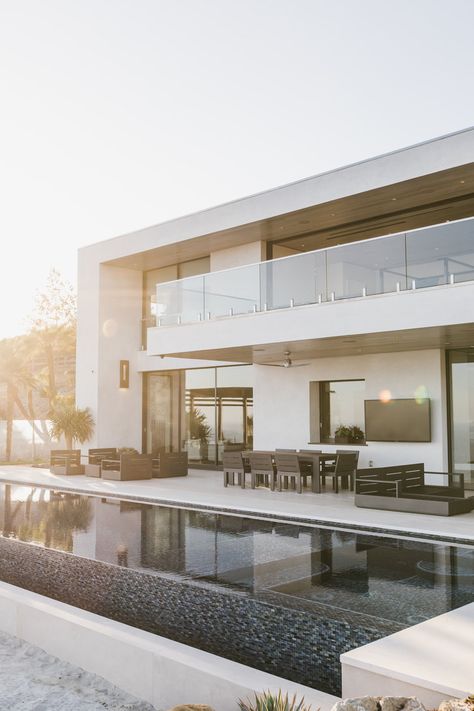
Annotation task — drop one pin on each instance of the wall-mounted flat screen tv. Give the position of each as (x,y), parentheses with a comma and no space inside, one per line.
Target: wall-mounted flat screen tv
(398,421)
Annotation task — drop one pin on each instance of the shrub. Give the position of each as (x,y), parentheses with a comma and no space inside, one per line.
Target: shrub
(268,701)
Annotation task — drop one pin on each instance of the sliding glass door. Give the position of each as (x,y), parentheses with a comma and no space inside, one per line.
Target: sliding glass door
(202,411)
(461,379)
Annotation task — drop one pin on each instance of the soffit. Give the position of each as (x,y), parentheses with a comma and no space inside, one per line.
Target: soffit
(430,199)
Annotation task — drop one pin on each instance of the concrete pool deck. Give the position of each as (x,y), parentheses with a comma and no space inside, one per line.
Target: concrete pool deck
(203,489)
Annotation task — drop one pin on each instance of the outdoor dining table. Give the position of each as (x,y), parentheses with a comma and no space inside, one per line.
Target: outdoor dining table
(317,460)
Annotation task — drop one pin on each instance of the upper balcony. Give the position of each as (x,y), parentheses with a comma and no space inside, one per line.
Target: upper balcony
(404,262)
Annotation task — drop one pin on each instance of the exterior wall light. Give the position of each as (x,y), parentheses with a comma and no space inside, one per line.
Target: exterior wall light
(124,374)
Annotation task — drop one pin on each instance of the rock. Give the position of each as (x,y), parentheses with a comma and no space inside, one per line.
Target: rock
(364,703)
(383,703)
(400,703)
(457,704)
(192,707)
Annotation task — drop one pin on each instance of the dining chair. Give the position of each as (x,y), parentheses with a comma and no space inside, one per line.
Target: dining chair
(288,466)
(344,469)
(233,464)
(262,469)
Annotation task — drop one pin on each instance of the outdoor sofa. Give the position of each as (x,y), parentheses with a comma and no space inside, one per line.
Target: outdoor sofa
(410,489)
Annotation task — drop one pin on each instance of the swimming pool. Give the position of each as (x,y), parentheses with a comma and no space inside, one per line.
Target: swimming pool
(284,598)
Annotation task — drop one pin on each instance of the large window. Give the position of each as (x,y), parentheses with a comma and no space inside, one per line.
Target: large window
(461,379)
(337,411)
(203,411)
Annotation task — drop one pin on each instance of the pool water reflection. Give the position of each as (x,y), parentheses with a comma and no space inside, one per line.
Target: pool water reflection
(402,581)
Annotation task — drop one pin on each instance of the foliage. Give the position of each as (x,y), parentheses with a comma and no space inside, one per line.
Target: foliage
(343,431)
(198,427)
(268,701)
(53,329)
(353,432)
(28,363)
(357,433)
(76,424)
(55,305)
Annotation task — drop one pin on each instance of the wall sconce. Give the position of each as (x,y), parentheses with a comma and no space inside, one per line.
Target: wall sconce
(124,373)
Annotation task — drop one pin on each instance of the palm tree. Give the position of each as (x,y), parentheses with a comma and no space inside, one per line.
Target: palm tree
(76,424)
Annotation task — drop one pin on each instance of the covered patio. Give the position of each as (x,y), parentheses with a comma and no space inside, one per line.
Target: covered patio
(204,490)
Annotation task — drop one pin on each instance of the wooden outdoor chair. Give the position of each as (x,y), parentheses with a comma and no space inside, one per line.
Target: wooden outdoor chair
(262,469)
(94,457)
(288,467)
(233,465)
(130,467)
(65,462)
(170,464)
(345,469)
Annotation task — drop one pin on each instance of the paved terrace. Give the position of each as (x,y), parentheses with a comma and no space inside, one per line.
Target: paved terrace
(203,489)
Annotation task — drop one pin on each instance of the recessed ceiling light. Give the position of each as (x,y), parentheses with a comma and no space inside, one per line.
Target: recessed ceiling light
(302,245)
(462,182)
(333,214)
(394,199)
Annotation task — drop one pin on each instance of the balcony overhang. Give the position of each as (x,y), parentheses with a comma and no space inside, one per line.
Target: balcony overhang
(413,187)
(438,317)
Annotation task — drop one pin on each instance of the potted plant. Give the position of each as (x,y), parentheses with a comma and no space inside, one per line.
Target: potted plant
(342,435)
(357,435)
(200,430)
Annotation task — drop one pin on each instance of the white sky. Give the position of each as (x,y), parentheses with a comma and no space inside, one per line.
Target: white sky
(118,114)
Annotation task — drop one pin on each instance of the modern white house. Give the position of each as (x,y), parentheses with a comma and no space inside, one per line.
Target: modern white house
(337,311)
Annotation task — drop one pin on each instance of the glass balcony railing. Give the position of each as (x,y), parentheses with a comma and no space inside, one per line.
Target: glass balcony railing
(411,260)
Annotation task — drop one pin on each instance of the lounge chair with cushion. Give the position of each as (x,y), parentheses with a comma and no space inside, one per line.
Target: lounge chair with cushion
(170,464)
(66,462)
(94,457)
(409,488)
(129,467)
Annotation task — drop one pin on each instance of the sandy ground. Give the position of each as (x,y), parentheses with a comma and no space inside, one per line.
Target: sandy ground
(32,680)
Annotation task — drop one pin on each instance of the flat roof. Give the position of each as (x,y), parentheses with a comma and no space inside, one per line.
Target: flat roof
(422,159)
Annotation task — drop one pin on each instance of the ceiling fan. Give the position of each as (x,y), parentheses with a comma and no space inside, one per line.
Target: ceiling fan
(287,362)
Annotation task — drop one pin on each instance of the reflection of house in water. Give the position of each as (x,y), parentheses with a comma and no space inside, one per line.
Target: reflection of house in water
(115,534)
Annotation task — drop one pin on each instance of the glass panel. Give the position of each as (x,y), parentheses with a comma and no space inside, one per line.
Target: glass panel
(298,280)
(200,419)
(162,425)
(434,254)
(184,298)
(234,403)
(462,414)
(376,266)
(233,291)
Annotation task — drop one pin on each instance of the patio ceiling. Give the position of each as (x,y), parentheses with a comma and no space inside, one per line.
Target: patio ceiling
(446,337)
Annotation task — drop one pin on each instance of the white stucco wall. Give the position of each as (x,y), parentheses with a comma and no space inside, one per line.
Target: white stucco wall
(238,256)
(110,310)
(281,403)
